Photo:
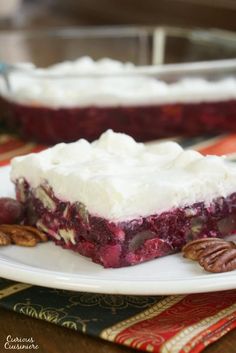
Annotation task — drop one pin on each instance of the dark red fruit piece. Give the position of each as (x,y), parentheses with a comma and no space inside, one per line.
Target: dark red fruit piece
(11,211)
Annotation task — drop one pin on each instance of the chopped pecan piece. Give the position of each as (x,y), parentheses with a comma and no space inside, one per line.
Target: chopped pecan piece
(213,254)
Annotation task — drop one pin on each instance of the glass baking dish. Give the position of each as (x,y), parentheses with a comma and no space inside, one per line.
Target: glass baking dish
(173,87)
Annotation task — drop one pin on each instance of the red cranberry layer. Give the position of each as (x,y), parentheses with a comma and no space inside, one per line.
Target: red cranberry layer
(144,123)
(118,244)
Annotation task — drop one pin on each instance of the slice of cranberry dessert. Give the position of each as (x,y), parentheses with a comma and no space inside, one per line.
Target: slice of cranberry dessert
(122,203)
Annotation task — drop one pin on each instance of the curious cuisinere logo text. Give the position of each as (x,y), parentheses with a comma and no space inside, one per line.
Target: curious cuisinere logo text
(20,343)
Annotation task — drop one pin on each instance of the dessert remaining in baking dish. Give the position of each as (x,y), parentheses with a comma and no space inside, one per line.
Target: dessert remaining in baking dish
(84,98)
(120,202)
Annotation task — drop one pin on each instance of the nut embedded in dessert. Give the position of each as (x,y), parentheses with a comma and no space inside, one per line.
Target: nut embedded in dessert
(121,203)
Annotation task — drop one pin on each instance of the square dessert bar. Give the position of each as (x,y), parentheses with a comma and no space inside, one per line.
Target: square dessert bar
(120,202)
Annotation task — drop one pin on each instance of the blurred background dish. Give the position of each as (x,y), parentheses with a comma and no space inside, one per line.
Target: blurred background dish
(154,100)
(149,82)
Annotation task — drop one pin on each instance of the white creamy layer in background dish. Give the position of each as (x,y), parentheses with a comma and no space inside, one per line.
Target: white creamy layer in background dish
(64,87)
(120,179)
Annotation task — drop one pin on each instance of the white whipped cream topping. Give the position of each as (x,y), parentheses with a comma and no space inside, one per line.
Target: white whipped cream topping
(119,179)
(117,89)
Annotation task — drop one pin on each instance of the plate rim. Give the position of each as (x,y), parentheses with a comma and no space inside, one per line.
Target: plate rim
(62,280)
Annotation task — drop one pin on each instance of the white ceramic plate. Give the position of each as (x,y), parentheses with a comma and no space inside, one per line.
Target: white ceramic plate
(50,266)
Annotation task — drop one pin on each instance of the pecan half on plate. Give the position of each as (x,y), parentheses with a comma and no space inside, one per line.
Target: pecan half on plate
(213,254)
(20,235)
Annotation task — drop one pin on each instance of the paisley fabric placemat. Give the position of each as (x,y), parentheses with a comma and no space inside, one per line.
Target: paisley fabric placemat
(173,324)
(165,324)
